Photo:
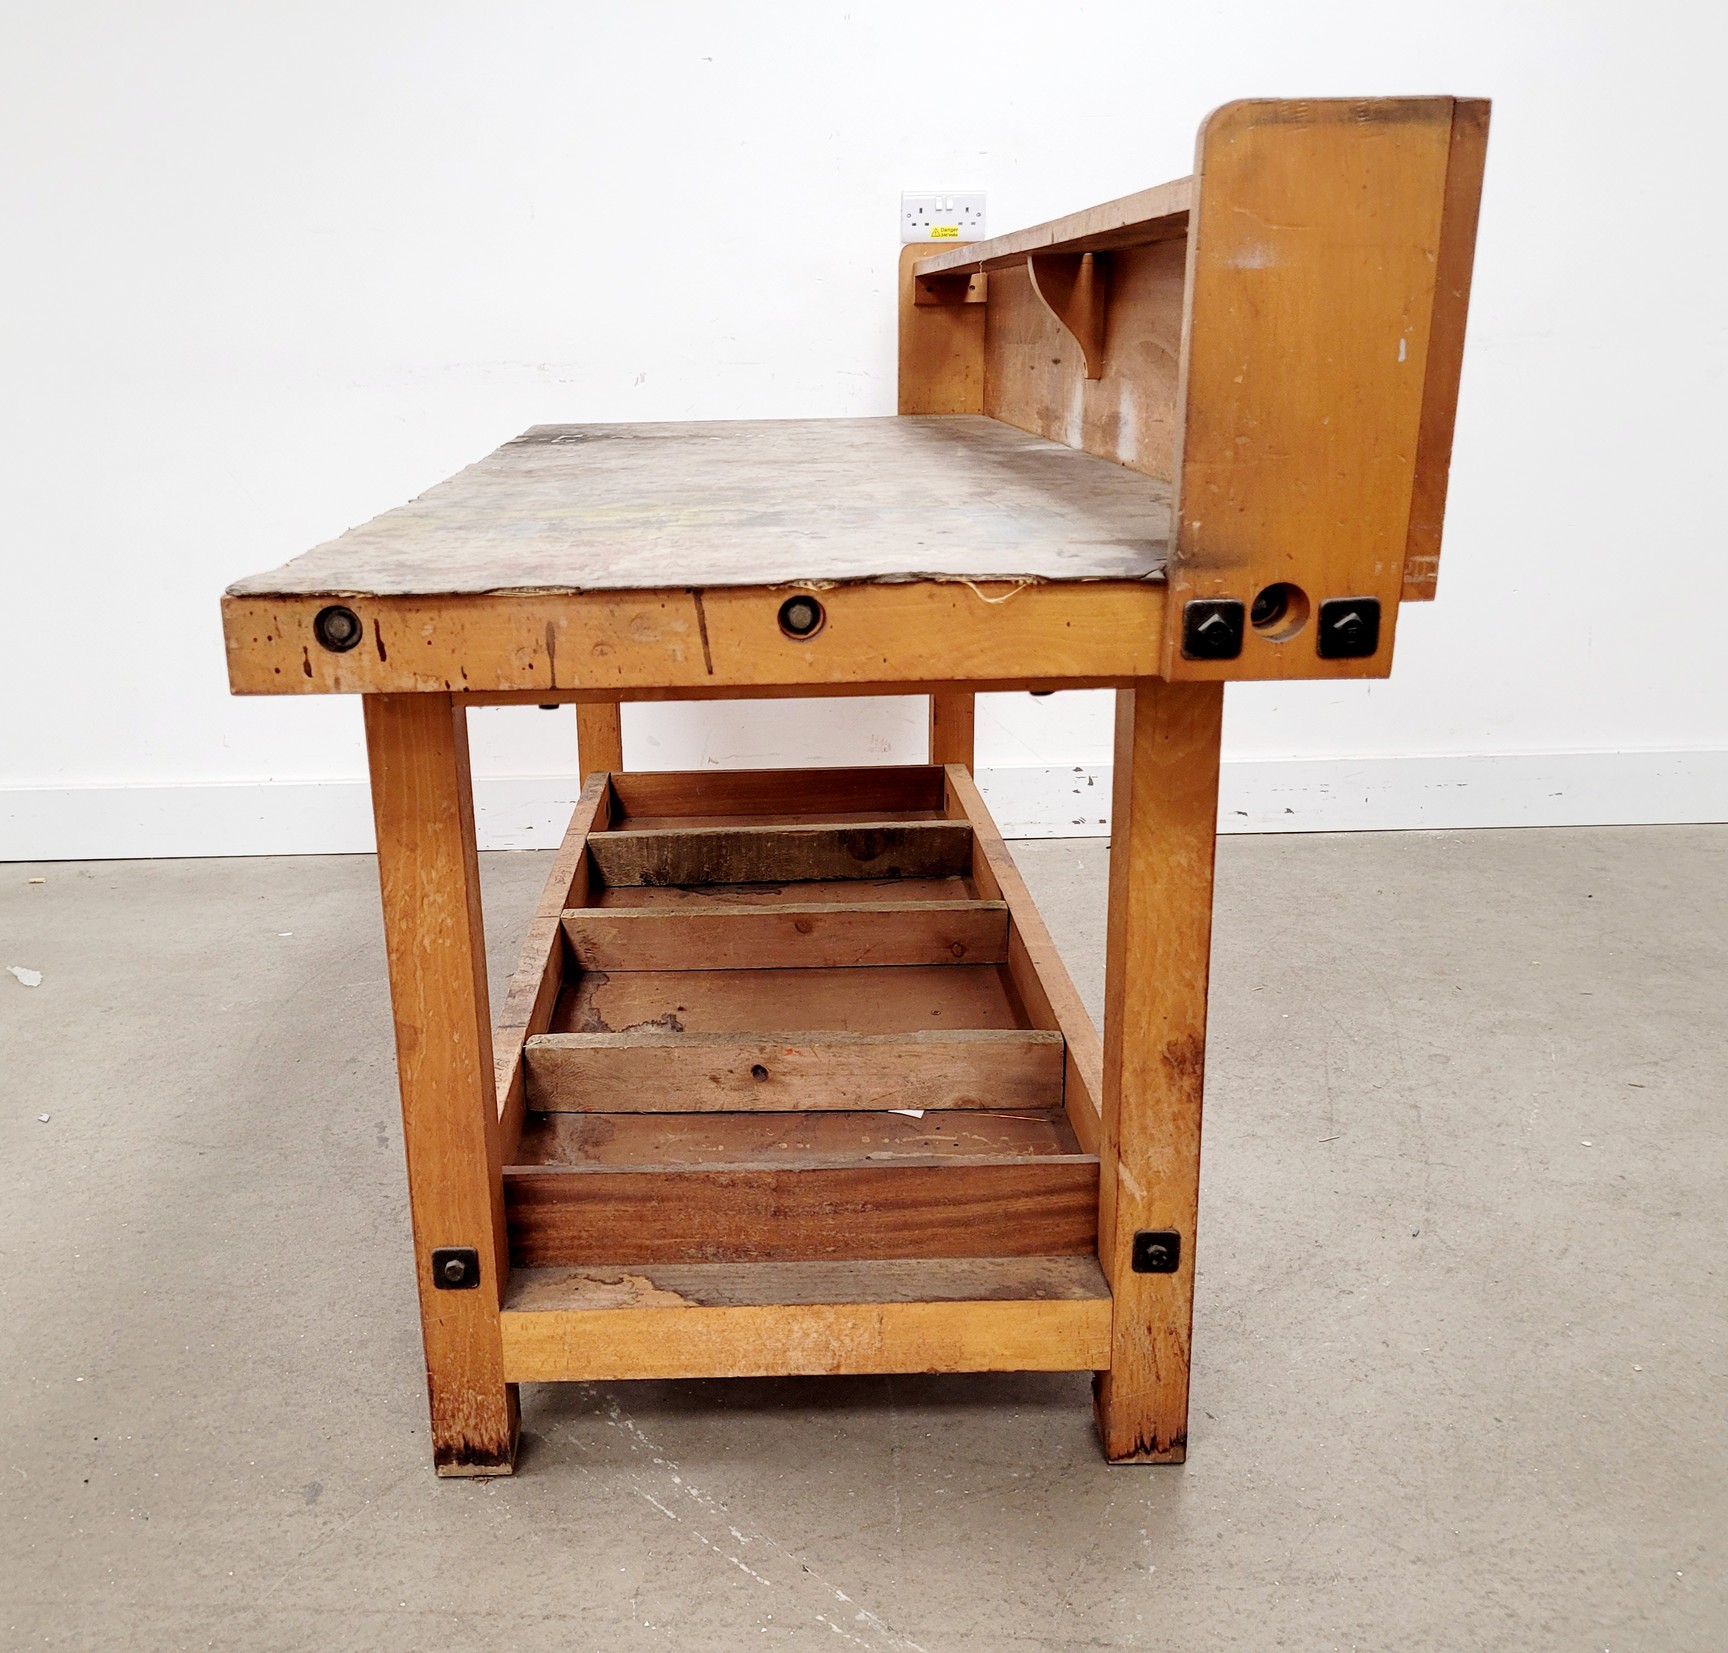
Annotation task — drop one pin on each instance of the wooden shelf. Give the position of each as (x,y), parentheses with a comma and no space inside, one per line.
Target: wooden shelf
(1137,220)
(735,981)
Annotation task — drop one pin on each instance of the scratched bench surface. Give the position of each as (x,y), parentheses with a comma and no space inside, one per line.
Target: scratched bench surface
(566,508)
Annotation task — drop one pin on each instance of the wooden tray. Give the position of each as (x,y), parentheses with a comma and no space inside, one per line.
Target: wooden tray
(792,1080)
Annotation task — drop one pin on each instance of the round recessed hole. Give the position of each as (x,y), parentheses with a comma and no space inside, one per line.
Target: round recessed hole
(758,1072)
(338,629)
(1279,611)
(801,617)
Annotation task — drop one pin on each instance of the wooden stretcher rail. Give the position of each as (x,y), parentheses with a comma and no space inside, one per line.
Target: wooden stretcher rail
(976,1314)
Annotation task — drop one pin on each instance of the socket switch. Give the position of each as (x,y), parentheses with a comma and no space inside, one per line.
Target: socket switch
(945,215)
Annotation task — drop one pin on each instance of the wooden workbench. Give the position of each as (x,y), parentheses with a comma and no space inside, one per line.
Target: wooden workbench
(1196,435)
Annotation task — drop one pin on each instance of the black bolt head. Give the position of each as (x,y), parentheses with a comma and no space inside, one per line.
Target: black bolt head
(455,1268)
(1349,628)
(337,629)
(1156,1251)
(801,616)
(1212,628)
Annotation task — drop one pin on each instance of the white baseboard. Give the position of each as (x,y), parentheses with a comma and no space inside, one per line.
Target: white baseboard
(334,817)
(1397,794)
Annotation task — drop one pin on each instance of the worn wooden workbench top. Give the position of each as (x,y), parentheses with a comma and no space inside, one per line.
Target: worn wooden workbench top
(567,508)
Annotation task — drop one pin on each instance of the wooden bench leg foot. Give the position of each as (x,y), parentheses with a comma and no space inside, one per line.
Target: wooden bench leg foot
(429,875)
(1165,801)
(599,738)
(952,717)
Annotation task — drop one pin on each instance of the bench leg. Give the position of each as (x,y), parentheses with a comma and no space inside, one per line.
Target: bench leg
(599,738)
(429,874)
(952,715)
(1158,952)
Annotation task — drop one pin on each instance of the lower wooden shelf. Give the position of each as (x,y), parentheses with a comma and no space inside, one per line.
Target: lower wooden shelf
(792,1081)
(979,1314)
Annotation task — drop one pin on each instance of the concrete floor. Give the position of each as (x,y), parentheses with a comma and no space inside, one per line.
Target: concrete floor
(1461,1373)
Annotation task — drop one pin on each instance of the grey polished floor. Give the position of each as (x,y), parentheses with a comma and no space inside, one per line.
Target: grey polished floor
(1461,1344)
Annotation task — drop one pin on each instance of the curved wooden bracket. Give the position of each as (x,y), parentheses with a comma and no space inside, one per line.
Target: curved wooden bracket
(1075,290)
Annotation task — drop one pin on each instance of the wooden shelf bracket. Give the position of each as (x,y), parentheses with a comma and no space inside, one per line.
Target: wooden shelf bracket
(955,288)
(1075,290)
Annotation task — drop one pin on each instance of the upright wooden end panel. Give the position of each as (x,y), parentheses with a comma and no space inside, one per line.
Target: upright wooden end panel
(1313,382)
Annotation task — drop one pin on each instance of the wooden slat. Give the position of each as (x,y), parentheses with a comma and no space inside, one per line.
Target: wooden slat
(1046,990)
(1158,956)
(1131,221)
(428,871)
(867,999)
(782,854)
(946,1207)
(1456,261)
(652,1071)
(793,935)
(756,1320)
(532,996)
(786,1141)
(838,892)
(820,792)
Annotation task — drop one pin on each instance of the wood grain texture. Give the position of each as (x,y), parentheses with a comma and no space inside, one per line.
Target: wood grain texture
(870,999)
(667,1320)
(953,725)
(651,1070)
(636,1332)
(705,645)
(1046,992)
(786,935)
(1131,221)
(1312,261)
(781,854)
(599,738)
(532,996)
(784,792)
(941,359)
(1158,956)
(1464,166)
(1062,1279)
(1035,373)
(793,1141)
(842,892)
(948,1207)
(726,503)
(428,872)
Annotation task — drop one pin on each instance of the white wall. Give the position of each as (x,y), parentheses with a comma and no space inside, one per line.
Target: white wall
(271,268)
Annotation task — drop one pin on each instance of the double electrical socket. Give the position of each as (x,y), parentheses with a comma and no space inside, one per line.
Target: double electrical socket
(944,215)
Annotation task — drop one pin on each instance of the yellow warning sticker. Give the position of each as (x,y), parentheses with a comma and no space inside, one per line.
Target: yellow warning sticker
(944,232)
